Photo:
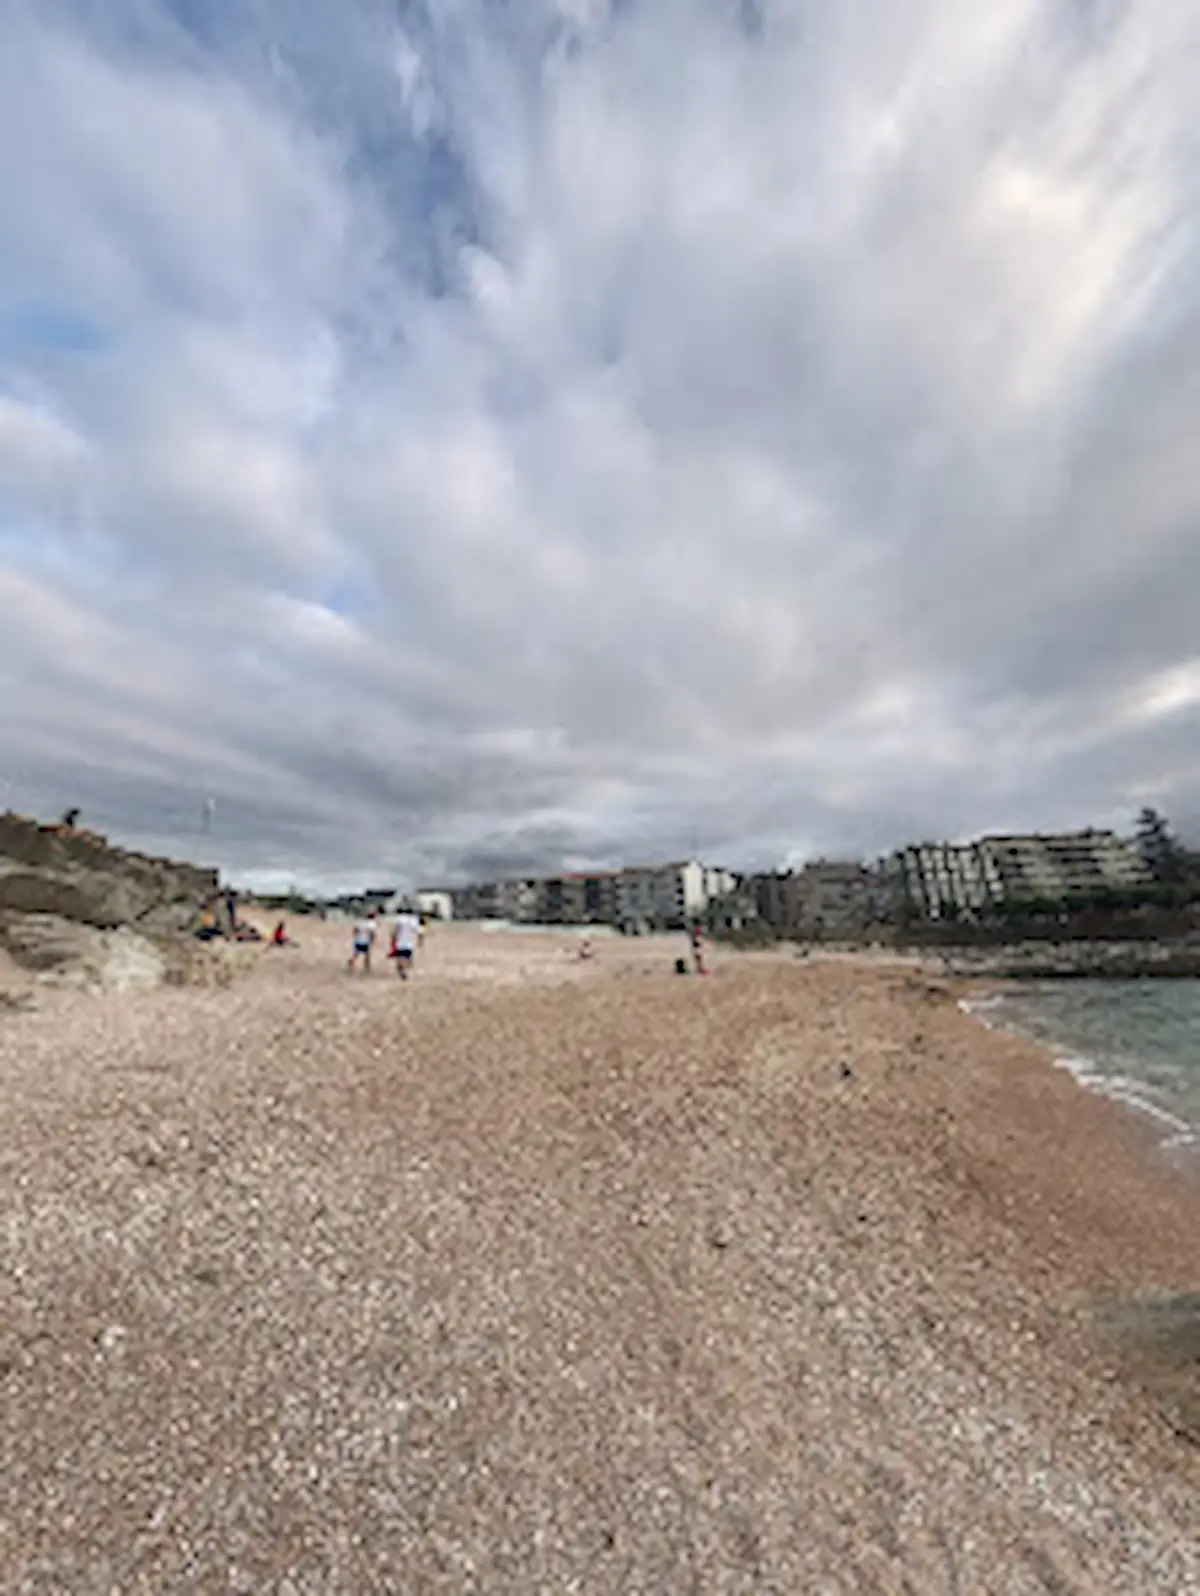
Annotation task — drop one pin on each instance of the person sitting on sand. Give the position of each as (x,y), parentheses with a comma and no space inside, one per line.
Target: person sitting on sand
(364,940)
(280,938)
(405,937)
(586,951)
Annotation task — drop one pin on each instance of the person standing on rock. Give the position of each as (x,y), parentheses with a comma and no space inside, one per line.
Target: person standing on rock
(364,941)
(406,937)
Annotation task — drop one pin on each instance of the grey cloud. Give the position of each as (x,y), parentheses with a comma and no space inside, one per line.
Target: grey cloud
(509,436)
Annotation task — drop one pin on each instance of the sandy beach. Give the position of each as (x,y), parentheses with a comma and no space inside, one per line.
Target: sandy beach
(538,1275)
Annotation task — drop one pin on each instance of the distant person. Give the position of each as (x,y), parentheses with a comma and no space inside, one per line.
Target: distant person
(364,941)
(406,938)
(696,939)
(70,820)
(586,950)
(280,938)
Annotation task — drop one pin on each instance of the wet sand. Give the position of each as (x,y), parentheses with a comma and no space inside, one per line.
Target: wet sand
(539,1275)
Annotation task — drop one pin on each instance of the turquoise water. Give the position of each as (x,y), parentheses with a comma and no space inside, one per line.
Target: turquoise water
(1135,1041)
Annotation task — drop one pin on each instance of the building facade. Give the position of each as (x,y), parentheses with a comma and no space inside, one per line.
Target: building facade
(668,897)
(495,900)
(833,900)
(1067,866)
(655,897)
(578,898)
(948,880)
(825,900)
(964,881)
(435,905)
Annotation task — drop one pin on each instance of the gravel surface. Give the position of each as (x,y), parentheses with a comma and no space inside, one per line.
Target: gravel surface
(537,1275)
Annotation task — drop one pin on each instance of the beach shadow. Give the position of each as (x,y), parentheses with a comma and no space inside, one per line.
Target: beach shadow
(1158,1342)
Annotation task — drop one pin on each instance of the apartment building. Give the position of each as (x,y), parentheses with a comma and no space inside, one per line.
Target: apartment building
(718,882)
(1070,865)
(766,891)
(434,904)
(578,898)
(948,880)
(515,899)
(375,900)
(474,902)
(833,899)
(736,909)
(667,897)
(657,896)
(826,899)
(943,881)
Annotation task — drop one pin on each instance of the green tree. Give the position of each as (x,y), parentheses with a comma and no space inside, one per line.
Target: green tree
(1159,848)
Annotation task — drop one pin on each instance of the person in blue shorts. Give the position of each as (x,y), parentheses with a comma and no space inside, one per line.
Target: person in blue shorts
(406,938)
(364,941)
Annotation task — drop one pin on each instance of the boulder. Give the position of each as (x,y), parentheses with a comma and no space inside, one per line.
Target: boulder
(65,950)
(70,899)
(90,896)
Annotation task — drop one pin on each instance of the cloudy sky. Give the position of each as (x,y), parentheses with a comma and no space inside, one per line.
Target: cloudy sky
(462,436)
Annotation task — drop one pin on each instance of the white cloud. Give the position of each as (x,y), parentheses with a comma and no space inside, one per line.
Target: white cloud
(1168,692)
(598,430)
(35,444)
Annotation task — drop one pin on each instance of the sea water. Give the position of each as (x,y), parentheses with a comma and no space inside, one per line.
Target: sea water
(1135,1041)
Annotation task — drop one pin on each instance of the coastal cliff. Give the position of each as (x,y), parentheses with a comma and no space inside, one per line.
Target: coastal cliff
(71,902)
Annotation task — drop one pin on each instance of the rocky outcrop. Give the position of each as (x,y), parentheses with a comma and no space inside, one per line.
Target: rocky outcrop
(79,876)
(70,899)
(82,955)
(1065,961)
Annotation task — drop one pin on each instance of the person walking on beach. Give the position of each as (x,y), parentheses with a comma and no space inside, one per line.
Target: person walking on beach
(696,939)
(406,937)
(364,940)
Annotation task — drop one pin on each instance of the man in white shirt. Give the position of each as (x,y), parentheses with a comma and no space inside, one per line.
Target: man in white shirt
(405,939)
(364,940)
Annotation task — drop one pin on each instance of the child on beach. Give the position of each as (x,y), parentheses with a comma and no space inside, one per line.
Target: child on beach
(364,938)
(405,938)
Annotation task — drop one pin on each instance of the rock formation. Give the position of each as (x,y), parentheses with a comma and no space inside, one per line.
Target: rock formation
(70,901)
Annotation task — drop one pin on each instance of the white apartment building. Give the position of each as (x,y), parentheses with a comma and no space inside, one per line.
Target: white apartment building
(718,883)
(435,905)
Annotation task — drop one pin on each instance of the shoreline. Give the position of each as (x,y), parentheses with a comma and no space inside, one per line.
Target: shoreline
(676,1260)
(1175,1140)
(1076,961)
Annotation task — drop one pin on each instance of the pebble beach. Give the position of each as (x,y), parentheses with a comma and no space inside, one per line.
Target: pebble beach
(538,1274)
